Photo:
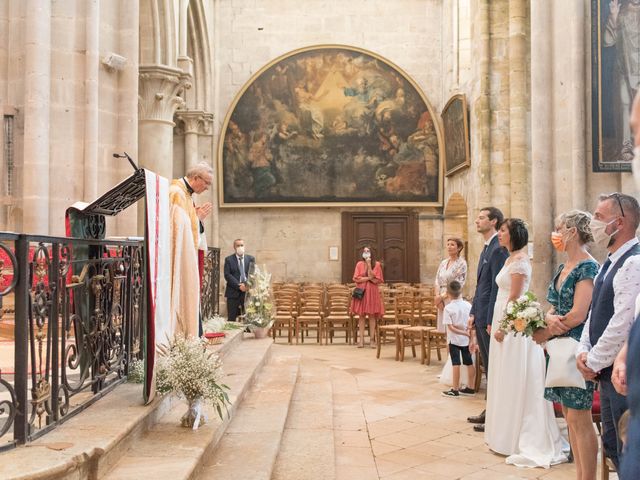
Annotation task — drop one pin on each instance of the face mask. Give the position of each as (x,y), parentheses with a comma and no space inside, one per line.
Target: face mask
(600,237)
(558,241)
(240,250)
(636,166)
(366,255)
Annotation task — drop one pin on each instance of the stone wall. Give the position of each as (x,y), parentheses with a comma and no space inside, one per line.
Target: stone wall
(72,112)
(294,242)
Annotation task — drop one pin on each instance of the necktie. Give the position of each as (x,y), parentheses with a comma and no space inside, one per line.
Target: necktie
(600,279)
(243,277)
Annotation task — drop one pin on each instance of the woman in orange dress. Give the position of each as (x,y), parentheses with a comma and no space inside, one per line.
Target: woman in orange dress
(368,275)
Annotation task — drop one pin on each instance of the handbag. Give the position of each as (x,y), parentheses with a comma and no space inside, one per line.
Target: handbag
(358,293)
(562,370)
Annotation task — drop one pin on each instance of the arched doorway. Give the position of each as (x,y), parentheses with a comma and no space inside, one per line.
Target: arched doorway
(455,222)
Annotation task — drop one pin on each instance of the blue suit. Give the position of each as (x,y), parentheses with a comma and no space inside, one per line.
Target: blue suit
(490,263)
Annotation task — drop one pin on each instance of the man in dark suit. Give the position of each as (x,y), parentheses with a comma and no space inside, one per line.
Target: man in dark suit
(491,261)
(237,268)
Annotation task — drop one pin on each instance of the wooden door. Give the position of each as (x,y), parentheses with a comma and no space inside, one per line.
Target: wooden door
(393,238)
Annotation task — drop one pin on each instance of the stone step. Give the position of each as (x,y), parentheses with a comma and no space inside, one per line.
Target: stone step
(89,444)
(169,451)
(307,451)
(249,447)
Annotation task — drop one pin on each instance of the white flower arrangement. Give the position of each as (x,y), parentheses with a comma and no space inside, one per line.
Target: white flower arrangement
(523,315)
(186,368)
(214,324)
(259,304)
(136,371)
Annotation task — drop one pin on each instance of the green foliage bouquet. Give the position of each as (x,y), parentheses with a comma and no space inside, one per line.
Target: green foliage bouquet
(186,368)
(523,315)
(258,305)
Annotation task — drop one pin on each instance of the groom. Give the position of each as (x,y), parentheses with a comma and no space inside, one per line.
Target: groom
(491,261)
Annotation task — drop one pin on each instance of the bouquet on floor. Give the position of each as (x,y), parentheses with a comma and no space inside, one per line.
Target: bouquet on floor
(258,305)
(187,369)
(523,316)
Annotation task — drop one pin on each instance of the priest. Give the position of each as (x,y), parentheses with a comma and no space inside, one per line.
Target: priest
(188,241)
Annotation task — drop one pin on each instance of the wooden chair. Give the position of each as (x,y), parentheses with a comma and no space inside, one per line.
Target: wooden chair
(435,341)
(416,336)
(310,314)
(337,316)
(286,311)
(387,334)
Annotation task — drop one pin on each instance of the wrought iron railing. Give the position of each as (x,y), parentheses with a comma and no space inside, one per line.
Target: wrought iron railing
(76,322)
(210,292)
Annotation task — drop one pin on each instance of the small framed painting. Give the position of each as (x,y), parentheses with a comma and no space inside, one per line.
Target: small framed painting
(455,120)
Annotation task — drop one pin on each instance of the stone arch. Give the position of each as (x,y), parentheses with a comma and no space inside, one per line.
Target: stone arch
(158,38)
(455,220)
(198,49)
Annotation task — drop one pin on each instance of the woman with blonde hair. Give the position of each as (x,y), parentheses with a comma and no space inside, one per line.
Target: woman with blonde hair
(569,294)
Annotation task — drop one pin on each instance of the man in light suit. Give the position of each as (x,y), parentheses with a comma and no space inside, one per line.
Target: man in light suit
(490,263)
(237,268)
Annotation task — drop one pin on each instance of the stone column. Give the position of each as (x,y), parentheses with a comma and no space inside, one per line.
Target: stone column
(91,88)
(160,90)
(37,100)
(193,123)
(542,133)
(518,102)
(577,102)
(483,107)
(129,40)
(198,125)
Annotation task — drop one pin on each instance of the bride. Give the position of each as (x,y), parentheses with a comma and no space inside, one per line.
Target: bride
(519,422)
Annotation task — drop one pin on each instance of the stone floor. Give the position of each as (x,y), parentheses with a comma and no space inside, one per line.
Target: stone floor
(391,422)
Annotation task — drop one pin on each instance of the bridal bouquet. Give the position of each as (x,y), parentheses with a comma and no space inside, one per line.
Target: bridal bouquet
(523,315)
(259,303)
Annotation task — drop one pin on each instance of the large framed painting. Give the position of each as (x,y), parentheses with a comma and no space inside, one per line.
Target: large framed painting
(615,76)
(455,123)
(330,125)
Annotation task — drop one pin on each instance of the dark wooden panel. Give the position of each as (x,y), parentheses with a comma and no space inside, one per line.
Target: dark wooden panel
(393,237)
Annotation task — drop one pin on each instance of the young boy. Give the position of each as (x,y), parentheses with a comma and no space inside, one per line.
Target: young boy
(454,318)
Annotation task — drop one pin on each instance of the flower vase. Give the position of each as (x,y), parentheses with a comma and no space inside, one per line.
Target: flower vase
(194,417)
(260,332)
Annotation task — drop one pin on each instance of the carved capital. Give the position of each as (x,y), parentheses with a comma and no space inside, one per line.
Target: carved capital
(160,92)
(194,121)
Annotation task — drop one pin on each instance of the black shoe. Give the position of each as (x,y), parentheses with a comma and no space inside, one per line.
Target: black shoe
(451,393)
(479,427)
(477,418)
(469,392)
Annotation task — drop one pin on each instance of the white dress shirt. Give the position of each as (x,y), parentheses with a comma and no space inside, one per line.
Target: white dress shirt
(626,287)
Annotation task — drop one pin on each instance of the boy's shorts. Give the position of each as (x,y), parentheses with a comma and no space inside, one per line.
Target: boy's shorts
(454,353)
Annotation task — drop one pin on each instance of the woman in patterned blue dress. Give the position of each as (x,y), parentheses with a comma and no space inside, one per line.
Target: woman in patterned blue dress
(570,296)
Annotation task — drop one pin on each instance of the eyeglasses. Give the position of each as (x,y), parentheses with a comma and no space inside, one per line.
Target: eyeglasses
(208,182)
(617,196)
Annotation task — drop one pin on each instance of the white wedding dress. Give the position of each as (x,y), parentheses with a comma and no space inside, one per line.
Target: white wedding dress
(520,423)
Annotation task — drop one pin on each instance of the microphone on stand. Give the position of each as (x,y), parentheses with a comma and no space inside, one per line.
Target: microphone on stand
(126,155)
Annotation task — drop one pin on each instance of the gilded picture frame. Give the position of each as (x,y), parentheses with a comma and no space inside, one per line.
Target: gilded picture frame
(455,125)
(615,77)
(330,125)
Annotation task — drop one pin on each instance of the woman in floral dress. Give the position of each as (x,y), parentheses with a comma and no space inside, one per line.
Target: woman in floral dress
(570,296)
(451,268)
